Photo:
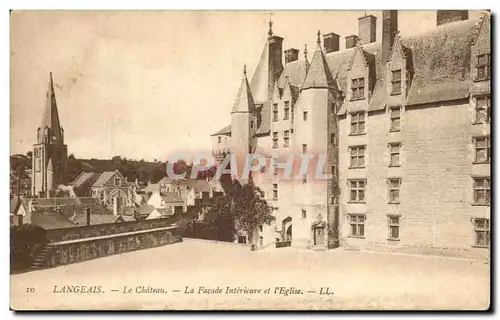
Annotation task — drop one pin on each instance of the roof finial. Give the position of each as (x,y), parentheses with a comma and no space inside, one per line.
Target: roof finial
(245,69)
(319,38)
(305,52)
(270,33)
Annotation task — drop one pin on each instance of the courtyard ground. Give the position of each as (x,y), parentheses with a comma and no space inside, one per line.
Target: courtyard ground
(355,280)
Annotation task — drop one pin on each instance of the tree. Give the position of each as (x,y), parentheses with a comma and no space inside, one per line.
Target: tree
(71,156)
(241,208)
(219,220)
(29,154)
(156,175)
(249,209)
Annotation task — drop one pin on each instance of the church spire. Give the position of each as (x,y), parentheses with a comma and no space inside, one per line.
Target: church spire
(50,127)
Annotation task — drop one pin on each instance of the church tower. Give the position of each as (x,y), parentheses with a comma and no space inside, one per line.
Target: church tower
(50,154)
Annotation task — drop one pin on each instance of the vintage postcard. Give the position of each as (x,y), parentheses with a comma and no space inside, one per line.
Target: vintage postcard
(250,160)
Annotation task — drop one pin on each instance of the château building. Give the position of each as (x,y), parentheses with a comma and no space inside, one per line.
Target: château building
(404,123)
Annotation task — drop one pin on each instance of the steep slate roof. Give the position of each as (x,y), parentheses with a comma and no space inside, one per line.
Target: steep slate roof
(226,131)
(85,179)
(50,115)
(440,59)
(265,125)
(259,83)
(94,179)
(51,220)
(103,178)
(244,99)
(295,71)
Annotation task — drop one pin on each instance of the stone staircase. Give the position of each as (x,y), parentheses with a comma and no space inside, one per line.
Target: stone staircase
(40,258)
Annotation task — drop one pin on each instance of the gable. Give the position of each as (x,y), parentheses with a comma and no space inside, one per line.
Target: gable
(397,54)
(111,180)
(358,59)
(483,36)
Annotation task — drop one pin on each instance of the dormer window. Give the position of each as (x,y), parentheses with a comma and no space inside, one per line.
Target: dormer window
(117,181)
(287,111)
(219,140)
(358,89)
(396,82)
(275,112)
(483,67)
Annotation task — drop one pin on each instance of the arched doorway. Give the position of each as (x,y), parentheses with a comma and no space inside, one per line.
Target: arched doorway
(288,234)
(286,227)
(118,200)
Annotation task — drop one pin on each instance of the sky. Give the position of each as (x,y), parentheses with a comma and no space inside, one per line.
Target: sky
(148,84)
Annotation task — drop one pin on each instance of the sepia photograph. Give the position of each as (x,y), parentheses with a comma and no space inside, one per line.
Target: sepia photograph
(286,160)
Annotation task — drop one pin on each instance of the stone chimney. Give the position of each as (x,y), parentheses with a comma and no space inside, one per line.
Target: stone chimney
(367,29)
(87,220)
(291,55)
(275,65)
(331,42)
(351,41)
(447,16)
(389,29)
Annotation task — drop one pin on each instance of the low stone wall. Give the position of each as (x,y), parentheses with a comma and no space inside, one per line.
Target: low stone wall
(77,250)
(80,232)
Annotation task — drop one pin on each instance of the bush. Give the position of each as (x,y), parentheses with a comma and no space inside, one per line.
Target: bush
(25,243)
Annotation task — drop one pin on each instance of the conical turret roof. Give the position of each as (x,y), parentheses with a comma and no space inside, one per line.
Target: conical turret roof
(318,75)
(244,100)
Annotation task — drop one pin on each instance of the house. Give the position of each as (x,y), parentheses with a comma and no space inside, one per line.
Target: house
(53,213)
(169,202)
(404,123)
(110,187)
(193,192)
